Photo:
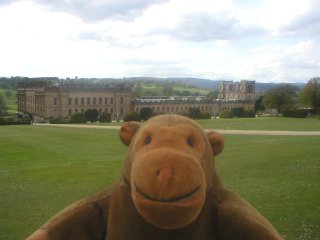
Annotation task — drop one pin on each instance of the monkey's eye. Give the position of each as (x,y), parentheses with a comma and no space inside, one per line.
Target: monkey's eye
(190,142)
(147,140)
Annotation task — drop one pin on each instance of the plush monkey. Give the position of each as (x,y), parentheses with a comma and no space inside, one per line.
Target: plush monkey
(169,189)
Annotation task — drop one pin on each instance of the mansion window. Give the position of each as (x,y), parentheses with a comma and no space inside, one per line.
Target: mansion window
(250,88)
(88,101)
(100,100)
(231,88)
(82,101)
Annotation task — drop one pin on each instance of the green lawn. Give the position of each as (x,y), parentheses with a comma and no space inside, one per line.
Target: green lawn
(43,169)
(263,123)
(280,176)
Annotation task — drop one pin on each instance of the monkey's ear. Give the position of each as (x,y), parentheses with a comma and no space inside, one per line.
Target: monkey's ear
(127,132)
(216,141)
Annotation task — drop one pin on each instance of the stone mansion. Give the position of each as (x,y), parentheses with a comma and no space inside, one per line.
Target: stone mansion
(47,99)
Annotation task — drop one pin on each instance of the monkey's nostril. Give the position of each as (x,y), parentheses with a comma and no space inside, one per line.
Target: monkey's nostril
(164,174)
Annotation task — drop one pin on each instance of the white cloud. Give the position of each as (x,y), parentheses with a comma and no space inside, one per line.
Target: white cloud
(97,10)
(281,63)
(271,41)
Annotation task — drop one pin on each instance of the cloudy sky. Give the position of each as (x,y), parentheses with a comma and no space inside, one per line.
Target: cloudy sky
(264,40)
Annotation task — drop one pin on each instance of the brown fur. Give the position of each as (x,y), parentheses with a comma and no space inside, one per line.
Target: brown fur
(169,189)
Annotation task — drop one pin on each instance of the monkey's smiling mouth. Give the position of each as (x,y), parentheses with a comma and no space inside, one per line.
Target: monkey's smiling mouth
(168,200)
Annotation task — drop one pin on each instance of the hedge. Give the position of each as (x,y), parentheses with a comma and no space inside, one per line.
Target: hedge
(295,113)
(11,121)
(132,117)
(226,114)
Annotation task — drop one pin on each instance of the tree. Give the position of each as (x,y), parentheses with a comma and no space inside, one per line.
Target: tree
(132,117)
(226,114)
(145,113)
(194,113)
(137,90)
(91,115)
(212,94)
(3,105)
(167,89)
(280,97)
(78,118)
(186,93)
(105,117)
(8,94)
(258,104)
(310,94)
(238,111)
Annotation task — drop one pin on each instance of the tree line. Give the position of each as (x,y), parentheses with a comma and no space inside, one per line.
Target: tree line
(285,97)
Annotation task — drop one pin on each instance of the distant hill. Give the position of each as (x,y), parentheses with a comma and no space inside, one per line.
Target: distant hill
(263,87)
(196,82)
(201,83)
(214,84)
(211,84)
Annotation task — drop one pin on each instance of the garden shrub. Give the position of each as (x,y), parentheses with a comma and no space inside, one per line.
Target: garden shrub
(132,117)
(58,120)
(20,122)
(185,114)
(194,113)
(105,117)
(78,118)
(241,113)
(91,115)
(12,121)
(248,114)
(295,113)
(3,121)
(226,114)
(238,111)
(146,113)
(205,116)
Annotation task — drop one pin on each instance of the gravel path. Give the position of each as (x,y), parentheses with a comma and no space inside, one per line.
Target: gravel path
(234,132)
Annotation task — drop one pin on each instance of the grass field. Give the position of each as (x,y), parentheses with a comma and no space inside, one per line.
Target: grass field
(154,89)
(44,169)
(262,123)
(191,90)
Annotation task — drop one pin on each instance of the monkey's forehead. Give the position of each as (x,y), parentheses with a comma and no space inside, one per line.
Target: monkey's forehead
(171,120)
